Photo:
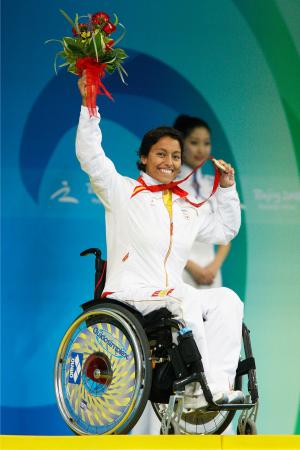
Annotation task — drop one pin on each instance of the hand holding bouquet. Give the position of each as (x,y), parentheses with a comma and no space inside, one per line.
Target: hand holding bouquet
(92,49)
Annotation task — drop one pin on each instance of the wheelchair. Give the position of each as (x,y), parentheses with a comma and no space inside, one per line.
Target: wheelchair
(112,360)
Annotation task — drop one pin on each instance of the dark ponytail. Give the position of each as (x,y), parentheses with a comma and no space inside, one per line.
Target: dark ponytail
(186,124)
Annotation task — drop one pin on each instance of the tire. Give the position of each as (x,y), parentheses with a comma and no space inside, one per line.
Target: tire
(250,428)
(170,431)
(103,371)
(202,422)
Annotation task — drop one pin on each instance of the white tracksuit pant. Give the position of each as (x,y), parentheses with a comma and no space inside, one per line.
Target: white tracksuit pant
(215,317)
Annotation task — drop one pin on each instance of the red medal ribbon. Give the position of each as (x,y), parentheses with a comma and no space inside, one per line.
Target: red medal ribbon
(173,185)
(94,86)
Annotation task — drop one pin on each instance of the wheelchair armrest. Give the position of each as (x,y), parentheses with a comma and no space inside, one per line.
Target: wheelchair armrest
(107,301)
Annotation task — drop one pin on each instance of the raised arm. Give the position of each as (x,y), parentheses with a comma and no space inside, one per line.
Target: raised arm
(221,226)
(105,180)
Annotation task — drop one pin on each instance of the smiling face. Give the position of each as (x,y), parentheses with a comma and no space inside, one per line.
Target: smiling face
(197,146)
(163,161)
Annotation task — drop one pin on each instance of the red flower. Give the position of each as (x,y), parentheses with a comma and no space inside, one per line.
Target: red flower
(82,27)
(109,28)
(109,44)
(100,17)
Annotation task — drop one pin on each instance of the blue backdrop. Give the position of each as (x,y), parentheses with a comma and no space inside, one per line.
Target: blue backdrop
(183,58)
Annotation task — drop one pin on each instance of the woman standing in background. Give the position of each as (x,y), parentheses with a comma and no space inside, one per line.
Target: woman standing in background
(203,269)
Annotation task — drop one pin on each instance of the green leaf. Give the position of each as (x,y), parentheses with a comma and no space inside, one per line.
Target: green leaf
(123,70)
(54,64)
(98,43)
(68,18)
(116,20)
(61,55)
(120,53)
(72,46)
(109,59)
(95,47)
(54,40)
(122,35)
(72,69)
(71,41)
(76,24)
(110,69)
(102,42)
(121,75)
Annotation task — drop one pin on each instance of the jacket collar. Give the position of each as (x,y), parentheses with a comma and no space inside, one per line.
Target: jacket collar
(151,181)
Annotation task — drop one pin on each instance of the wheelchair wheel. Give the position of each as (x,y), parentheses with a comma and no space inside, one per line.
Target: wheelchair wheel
(198,421)
(103,371)
(249,427)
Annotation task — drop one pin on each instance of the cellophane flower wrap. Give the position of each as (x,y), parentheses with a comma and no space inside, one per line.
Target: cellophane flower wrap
(92,48)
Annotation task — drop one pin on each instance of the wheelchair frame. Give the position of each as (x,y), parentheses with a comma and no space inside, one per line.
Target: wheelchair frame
(146,361)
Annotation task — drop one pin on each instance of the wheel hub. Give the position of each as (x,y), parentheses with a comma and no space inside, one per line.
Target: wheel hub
(97,368)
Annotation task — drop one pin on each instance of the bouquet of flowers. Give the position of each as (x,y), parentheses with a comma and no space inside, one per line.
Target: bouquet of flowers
(91,48)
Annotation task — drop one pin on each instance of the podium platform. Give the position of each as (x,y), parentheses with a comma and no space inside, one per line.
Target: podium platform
(264,442)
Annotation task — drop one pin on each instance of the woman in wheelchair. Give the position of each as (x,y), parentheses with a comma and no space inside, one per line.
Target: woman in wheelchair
(105,362)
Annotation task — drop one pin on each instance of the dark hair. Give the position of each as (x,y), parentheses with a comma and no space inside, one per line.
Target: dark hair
(153,136)
(186,124)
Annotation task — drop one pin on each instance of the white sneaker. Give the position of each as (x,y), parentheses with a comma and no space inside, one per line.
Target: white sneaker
(199,401)
(234,397)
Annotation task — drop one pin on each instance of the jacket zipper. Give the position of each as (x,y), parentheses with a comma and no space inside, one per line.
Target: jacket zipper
(167,199)
(168,254)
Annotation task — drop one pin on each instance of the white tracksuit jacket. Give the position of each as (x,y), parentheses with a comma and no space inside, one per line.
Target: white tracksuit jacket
(145,265)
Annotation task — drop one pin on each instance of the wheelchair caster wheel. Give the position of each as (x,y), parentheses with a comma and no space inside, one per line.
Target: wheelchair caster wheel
(249,427)
(171,430)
